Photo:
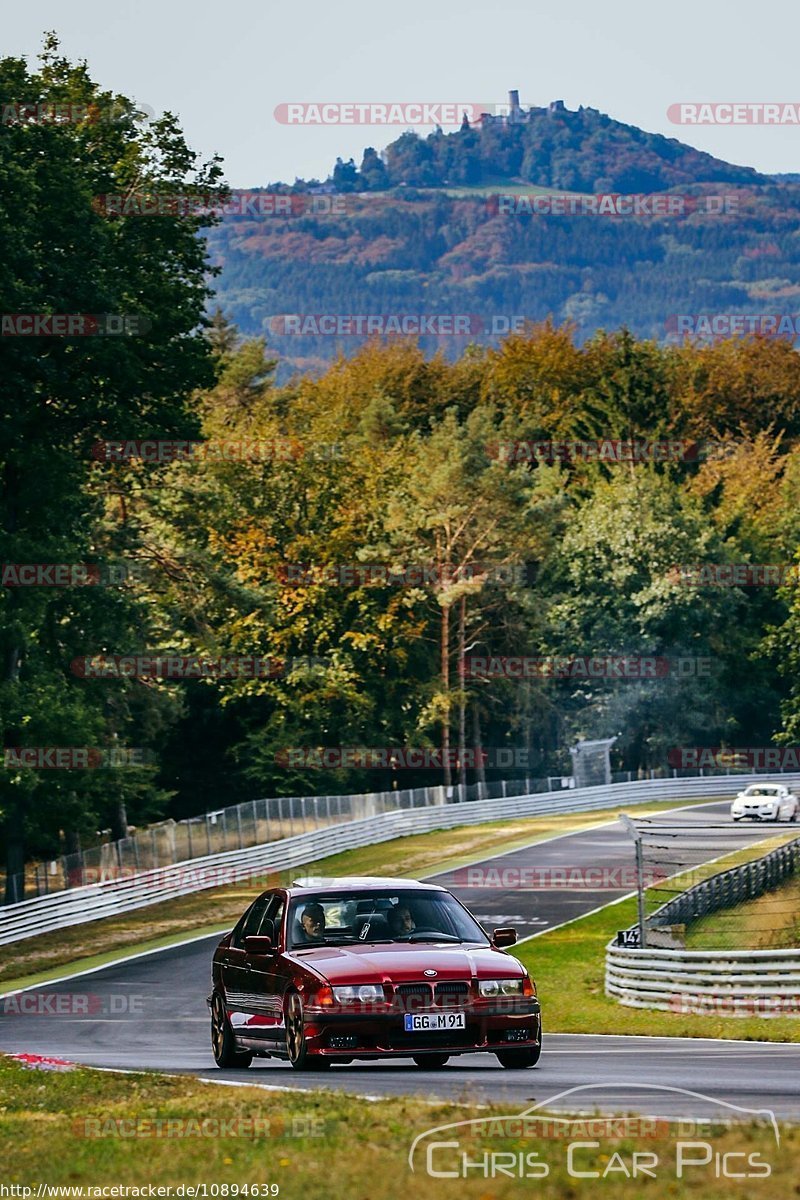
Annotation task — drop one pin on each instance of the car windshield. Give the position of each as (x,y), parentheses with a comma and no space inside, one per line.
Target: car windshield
(354,916)
(761,791)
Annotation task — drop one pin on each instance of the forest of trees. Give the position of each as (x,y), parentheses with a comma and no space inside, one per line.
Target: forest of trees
(390,457)
(431,252)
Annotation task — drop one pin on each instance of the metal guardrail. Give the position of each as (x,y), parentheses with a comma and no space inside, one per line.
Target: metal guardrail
(114,896)
(725,982)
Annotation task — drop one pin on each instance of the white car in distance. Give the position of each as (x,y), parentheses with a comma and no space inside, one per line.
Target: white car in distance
(766,802)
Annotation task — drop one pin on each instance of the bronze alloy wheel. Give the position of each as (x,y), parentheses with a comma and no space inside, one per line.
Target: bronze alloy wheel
(223,1043)
(296,1046)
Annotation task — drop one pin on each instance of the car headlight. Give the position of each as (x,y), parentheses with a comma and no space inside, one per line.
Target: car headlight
(365,992)
(500,987)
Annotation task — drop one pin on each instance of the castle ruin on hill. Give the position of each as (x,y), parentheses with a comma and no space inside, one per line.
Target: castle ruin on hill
(517,115)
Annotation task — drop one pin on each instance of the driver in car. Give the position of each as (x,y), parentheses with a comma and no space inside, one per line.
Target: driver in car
(313,922)
(401,922)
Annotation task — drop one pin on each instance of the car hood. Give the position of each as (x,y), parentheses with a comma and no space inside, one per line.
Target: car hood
(380,963)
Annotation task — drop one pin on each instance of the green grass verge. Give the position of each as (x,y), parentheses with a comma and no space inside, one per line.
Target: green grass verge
(37,959)
(770,922)
(89,1129)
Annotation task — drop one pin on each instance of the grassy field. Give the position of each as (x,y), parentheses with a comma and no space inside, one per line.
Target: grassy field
(505,188)
(771,922)
(87,1128)
(35,959)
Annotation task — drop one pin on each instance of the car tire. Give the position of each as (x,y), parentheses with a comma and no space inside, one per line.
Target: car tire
(223,1043)
(431,1062)
(296,1045)
(517,1060)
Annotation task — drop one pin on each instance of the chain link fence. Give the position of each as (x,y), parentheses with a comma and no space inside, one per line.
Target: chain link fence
(239,826)
(730,888)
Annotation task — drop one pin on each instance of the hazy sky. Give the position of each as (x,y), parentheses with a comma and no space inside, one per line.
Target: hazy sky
(225,67)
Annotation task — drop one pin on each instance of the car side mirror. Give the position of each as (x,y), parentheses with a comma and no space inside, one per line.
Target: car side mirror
(258,945)
(505,936)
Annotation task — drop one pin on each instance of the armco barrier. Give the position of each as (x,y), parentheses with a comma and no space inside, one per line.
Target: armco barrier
(44,914)
(723,982)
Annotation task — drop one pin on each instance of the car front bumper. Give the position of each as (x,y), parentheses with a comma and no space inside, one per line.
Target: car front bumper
(354,1035)
(764,812)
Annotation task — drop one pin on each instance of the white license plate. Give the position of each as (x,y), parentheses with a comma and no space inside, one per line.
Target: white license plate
(424,1022)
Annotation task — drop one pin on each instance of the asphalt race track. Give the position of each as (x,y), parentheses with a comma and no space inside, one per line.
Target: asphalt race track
(150,1012)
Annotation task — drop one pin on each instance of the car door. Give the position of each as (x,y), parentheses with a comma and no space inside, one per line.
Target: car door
(235,965)
(264,985)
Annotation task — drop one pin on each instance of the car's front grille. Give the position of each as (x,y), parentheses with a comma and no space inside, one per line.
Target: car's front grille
(452,993)
(413,997)
(420,997)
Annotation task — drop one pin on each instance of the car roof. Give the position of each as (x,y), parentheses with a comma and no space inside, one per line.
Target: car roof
(315,883)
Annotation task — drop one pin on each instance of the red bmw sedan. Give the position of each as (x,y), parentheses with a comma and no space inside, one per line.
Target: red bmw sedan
(364,968)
